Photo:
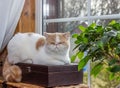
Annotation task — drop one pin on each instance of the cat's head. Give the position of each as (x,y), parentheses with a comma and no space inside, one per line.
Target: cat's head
(57,42)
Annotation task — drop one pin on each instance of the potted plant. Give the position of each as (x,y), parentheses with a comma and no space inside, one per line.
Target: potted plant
(102,47)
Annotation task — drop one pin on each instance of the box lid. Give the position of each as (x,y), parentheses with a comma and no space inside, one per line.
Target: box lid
(48,68)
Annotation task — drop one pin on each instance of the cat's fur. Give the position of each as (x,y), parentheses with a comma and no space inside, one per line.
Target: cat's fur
(50,49)
(11,73)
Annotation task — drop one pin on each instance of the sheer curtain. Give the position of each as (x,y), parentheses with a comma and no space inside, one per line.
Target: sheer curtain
(10,11)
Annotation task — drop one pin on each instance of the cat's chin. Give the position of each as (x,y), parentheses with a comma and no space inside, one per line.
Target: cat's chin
(57,51)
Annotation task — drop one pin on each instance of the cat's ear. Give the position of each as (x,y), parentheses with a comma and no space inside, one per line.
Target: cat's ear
(67,35)
(45,34)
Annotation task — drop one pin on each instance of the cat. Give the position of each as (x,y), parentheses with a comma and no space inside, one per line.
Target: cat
(50,49)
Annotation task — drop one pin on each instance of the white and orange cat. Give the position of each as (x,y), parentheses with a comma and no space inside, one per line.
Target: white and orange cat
(50,49)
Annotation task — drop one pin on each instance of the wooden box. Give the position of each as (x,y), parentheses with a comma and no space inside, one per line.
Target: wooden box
(50,76)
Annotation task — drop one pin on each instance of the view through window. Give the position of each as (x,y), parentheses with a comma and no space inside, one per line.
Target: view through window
(66,15)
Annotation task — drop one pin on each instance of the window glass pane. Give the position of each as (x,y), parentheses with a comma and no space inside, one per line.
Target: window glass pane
(65,26)
(105,22)
(105,7)
(64,8)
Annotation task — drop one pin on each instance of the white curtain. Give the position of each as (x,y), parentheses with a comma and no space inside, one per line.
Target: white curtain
(10,11)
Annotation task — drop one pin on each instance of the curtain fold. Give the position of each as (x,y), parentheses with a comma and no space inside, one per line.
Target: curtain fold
(10,11)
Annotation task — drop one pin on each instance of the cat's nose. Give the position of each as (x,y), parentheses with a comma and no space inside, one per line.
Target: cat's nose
(56,44)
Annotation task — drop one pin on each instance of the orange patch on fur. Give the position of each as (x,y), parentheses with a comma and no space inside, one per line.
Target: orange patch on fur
(16,71)
(11,73)
(15,75)
(64,38)
(40,43)
(51,38)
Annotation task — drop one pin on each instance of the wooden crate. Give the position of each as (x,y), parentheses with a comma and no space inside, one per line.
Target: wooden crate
(50,76)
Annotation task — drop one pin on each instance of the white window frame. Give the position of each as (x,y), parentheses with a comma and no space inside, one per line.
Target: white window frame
(38,16)
(40,22)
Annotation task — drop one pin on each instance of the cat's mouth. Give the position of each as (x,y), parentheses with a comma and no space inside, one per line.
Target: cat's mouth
(56,48)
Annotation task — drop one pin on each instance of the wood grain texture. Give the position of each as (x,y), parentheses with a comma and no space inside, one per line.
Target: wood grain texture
(23,85)
(27,20)
(50,76)
(19,85)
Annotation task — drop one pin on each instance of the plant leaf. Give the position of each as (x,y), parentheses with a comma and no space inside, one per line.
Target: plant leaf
(105,39)
(77,41)
(83,47)
(80,55)
(83,62)
(85,40)
(74,35)
(111,33)
(115,68)
(82,28)
(99,29)
(111,76)
(112,22)
(96,69)
(100,44)
(73,58)
(76,46)
(93,25)
(112,62)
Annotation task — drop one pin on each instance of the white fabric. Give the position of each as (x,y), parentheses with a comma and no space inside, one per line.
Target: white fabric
(10,11)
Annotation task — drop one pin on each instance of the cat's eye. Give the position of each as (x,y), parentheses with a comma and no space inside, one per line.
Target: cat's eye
(53,43)
(60,42)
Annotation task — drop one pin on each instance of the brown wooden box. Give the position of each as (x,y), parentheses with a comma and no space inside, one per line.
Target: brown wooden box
(50,76)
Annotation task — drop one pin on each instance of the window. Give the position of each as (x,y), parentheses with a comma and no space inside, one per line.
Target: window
(66,15)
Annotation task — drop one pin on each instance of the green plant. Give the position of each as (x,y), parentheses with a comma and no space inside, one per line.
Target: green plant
(102,45)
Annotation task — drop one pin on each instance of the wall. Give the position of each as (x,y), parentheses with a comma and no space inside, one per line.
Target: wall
(27,19)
